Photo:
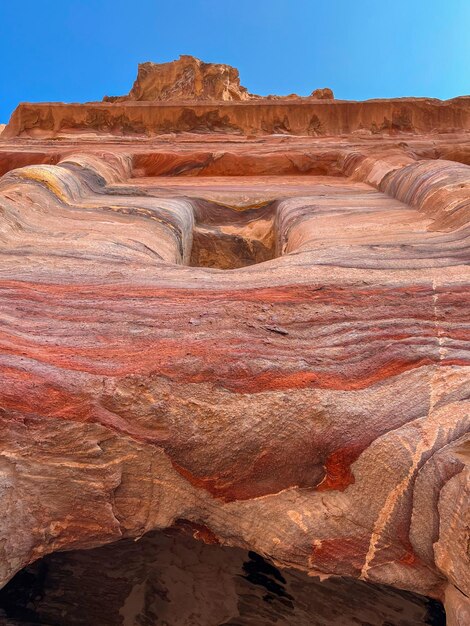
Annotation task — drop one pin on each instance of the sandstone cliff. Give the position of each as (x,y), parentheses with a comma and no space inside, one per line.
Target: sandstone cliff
(189,96)
(263,340)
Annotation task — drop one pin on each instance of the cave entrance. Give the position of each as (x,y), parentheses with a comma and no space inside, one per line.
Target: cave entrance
(170,579)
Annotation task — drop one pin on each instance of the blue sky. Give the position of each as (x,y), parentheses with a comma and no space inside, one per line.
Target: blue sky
(79,50)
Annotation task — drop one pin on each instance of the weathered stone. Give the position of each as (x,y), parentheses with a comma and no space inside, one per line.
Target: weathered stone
(322,94)
(265,336)
(187,78)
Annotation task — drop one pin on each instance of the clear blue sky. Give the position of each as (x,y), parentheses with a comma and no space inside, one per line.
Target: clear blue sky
(78,50)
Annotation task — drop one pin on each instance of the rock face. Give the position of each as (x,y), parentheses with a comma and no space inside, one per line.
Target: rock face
(188,95)
(187,78)
(264,117)
(322,94)
(264,340)
(190,79)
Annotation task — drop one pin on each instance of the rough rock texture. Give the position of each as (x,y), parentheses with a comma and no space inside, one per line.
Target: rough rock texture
(311,117)
(267,337)
(322,94)
(172,580)
(187,78)
(190,79)
(189,95)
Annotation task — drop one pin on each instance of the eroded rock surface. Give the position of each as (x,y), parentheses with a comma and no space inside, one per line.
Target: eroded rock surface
(265,336)
(190,79)
(266,116)
(189,95)
(322,94)
(187,78)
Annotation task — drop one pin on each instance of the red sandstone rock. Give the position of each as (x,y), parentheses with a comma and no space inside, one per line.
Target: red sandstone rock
(187,78)
(191,96)
(310,403)
(190,79)
(305,117)
(322,94)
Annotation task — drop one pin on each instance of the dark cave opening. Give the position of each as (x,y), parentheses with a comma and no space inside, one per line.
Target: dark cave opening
(170,579)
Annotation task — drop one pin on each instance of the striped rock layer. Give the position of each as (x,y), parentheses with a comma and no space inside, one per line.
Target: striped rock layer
(265,339)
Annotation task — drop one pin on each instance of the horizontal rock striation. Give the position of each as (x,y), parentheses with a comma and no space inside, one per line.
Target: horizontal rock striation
(315,118)
(267,338)
(189,95)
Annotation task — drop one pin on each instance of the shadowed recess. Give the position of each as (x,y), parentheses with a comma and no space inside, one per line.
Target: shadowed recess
(225,237)
(170,579)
